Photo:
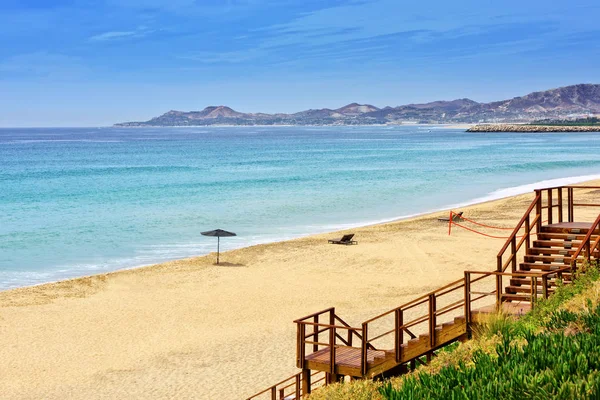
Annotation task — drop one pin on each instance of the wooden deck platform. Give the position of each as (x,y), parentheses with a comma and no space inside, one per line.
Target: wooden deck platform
(347,359)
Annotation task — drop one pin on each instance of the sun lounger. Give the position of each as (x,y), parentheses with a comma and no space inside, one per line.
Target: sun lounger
(456,217)
(346,239)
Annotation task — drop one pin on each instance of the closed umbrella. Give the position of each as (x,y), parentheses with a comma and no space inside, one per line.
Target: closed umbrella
(219,233)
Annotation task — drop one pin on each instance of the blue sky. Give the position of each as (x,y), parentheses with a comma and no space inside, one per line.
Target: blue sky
(94,63)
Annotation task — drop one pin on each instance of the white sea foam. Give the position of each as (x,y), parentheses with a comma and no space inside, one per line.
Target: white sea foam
(517,190)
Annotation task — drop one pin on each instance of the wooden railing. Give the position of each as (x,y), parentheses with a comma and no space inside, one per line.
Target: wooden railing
(586,246)
(534,293)
(292,387)
(541,210)
(528,222)
(327,322)
(420,323)
(558,193)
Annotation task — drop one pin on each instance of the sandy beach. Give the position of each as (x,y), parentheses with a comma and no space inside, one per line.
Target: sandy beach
(190,329)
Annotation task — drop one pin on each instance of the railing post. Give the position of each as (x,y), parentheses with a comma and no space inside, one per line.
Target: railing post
(538,211)
(513,249)
(560,204)
(297,391)
(399,339)
(588,252)
(432,320)
(533,290)
(570,205)
(306,384)
(316,333)
(527,236)
(273,393)
(499,263)
(363,349)
(549,206)
(300,350)
(545,286)
(332,350)
(498,292)
(468,302)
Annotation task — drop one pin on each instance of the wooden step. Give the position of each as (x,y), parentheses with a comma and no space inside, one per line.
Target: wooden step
(531,266)
(557,244)
(557,258)
(527,281)
(563,236)
(557,229)
(551,250)
(516,297)
(524,289)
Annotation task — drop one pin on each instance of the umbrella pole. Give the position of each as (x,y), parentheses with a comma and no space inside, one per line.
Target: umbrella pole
(218,248)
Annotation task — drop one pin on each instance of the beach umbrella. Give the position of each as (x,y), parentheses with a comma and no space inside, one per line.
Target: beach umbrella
(219,233)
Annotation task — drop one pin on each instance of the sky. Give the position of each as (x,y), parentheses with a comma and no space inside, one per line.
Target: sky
(96,63)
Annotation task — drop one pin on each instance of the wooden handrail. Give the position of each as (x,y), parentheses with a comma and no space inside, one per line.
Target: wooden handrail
(358,335)
(571,186)
(400,326)
(418,299)
(328,326)
(584,242)
(325,311)
(515,231)
(523,273)
(274,387)
(294,382)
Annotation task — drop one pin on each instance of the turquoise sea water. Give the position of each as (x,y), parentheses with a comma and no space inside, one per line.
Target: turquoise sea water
(80,201)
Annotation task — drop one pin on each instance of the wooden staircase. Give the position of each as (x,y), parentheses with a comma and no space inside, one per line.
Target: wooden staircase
(531,262)
(553,250)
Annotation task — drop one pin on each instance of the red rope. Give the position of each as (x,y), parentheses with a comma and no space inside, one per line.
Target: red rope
(481,233)
(451,222)
(484,225)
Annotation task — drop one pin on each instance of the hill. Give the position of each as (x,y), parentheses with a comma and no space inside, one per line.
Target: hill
(565,102)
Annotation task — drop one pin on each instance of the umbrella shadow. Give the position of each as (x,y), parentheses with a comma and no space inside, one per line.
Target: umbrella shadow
(228,264)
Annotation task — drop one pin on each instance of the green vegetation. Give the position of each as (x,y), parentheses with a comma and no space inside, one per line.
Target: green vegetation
(551,353)
(593,121)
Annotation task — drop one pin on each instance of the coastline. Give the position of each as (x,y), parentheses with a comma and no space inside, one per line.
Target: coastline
(336,229)
(188,328)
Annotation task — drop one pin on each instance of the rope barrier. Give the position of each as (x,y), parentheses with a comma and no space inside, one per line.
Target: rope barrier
(460,217)
(486,226)
(481,233)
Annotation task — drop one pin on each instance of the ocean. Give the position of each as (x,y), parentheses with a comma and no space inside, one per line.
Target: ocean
(82,201)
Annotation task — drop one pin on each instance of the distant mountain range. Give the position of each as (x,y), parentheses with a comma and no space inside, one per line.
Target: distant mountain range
(564,102)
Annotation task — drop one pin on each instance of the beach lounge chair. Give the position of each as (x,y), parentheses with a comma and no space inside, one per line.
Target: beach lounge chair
(346,239)
(455,218)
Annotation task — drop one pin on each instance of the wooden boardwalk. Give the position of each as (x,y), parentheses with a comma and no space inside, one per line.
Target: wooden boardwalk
(528,268)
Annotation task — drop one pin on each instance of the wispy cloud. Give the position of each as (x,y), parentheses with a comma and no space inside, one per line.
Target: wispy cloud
(227,57)
(116,35)
(112,35)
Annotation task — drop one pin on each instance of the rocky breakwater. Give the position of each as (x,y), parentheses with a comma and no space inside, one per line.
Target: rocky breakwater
(533,128)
